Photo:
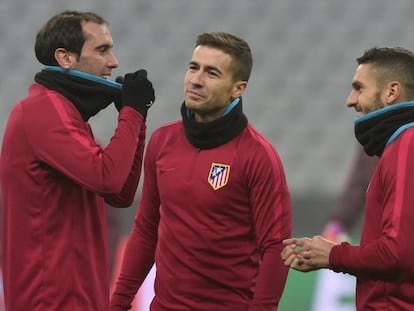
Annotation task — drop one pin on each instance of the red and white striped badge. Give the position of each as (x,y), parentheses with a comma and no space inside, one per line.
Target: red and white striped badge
(219,175)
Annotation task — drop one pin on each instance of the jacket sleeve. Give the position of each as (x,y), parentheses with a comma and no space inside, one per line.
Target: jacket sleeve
(270,201)
(140,250)
(62,140)
(126,197)
(388,222)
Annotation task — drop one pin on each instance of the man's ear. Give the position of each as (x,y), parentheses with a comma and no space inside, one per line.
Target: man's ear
(65,59)
(239,88)
(394,92)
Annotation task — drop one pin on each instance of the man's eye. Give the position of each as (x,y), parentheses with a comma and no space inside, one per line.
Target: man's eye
(102,50)
(356,87)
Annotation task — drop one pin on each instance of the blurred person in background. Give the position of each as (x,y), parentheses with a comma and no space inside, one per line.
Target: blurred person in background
(55,177)
(350,205)
(215,204)
(383,96)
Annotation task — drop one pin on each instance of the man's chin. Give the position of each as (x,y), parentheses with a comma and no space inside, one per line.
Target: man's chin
(192,105)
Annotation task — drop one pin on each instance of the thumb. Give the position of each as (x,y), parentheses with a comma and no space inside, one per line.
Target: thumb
(142,73)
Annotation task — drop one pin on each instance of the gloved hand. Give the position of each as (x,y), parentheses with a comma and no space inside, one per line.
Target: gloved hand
(137,92)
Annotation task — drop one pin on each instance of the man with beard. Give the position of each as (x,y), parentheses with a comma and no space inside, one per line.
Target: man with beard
(383,96)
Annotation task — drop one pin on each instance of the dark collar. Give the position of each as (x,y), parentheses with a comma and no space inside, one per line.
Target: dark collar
(90,94)
(377,129)
(207,135)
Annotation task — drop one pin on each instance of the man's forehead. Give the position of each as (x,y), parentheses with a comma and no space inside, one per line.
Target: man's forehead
(363,71)
(210,56)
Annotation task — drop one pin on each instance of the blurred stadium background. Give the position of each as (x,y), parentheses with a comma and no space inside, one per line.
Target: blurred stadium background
(304,58)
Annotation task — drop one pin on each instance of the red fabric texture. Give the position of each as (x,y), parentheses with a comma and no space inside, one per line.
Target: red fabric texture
(216,243)
(54,180)
(383,263)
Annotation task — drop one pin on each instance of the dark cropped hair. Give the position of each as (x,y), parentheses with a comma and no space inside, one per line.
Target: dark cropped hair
(391,64)
(64,30)
(234,46)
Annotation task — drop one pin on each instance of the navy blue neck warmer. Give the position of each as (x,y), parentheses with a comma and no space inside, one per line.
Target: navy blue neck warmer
(377,129)
(207,135)
(90,94)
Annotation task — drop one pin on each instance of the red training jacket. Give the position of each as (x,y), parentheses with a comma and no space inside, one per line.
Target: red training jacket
(54,179)
(383,263)
(213,220)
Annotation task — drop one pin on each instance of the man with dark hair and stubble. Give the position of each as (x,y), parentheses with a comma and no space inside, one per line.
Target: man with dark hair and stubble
(55,178)
(383,96)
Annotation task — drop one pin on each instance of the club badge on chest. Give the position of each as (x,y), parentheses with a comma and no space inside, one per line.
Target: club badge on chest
(219,175)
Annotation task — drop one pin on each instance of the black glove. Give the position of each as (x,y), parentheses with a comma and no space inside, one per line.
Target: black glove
(137,92)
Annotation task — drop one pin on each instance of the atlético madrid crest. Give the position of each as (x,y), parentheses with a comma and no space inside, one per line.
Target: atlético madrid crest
(219,175)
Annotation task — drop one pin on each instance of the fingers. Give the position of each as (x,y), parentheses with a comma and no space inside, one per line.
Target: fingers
(302,266)
(288,254)
(304,254)
(142,73)
(299,263)
(291,255)
(129,77)
(301,242)
(296,253)
(289,241)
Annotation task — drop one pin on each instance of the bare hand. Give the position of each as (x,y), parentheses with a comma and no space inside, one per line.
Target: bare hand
(305,254)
